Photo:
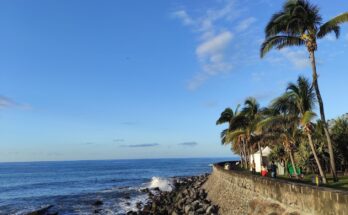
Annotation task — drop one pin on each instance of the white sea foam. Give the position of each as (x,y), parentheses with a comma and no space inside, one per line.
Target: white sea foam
(161,183)
(130,205)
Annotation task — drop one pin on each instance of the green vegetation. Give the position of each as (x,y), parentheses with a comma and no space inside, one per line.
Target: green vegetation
(299,23)
(287,124)
(341,184)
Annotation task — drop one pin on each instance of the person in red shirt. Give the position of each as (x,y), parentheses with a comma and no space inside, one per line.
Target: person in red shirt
(263,170)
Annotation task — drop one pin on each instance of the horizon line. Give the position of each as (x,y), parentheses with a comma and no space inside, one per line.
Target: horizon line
(159,158)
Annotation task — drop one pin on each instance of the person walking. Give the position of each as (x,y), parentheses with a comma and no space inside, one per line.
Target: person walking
(273,170)
(253,168)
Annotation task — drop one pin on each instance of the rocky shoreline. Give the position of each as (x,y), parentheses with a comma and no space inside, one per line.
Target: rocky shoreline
(187,198)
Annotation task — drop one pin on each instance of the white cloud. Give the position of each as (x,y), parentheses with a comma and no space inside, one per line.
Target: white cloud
(193,143)
(299,59)
(245,24)
(227,12)
(214,41)
(184,17)
(197,81)
(143,145)
(257,76)
(6,102)
(214,45)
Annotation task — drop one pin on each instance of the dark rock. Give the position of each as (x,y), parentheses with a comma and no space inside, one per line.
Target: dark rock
(42,211)
(200,211)
(186,198)
(195,204)
(127,196)
(212,209)
(138,205)
(96,211)
(97,203)
(145,190)
(187,209)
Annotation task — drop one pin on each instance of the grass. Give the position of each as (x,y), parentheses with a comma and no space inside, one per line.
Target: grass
(342,184)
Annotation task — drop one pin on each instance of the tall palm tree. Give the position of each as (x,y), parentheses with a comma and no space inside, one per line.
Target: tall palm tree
(234,121)
(303,97)
(253,114)
(241,128)
(238,137)
(282,127)
(299,23)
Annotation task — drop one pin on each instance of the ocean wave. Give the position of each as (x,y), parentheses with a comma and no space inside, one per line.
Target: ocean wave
(162,183)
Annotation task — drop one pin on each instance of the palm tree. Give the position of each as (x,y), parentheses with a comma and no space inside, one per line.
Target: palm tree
(234,121)
(303,97)
(241,128)
(253,114)
(238,137)
(281,125)
(299,23)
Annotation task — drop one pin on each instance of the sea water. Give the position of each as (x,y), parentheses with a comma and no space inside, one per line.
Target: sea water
(73,186)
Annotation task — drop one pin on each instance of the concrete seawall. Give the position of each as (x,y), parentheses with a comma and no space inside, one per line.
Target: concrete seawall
(242,193)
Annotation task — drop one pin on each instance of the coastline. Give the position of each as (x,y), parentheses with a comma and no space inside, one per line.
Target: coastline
(74,187)
(224,192)
(187,197)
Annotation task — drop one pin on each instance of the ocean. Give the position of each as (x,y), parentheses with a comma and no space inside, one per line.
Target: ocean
(73,186)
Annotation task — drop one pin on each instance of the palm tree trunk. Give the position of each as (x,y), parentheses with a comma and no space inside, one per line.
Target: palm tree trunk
(252,154)
(293,163)
(241,155)
(241,159)
(322,115)
(249,159)
(321,172)
(258,144)
(246,154)
(286,166)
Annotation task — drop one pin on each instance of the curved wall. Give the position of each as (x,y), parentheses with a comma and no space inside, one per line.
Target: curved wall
(242,193)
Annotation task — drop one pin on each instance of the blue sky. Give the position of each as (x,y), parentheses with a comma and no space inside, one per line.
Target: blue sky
(143,79)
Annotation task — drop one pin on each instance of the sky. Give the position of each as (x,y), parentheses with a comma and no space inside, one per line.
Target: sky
(85,80)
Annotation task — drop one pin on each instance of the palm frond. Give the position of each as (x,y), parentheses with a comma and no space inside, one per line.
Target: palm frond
(307,117)
(251,107)
(223,136)
(279,42)
(325,30)
(332,25)
(225,116)
(303,94)
(283,104)
(233,135)
(237,109)
(237,122)
(268,122)
(277,24)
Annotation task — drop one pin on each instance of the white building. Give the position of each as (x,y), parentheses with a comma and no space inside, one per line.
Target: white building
(265,152)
